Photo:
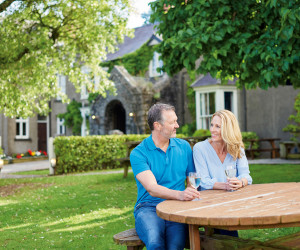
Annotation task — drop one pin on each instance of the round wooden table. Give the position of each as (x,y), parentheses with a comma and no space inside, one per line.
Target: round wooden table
(255,206)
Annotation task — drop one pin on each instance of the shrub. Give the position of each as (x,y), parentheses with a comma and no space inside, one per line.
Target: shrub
(248,136)
(78,154)
(202,133)
(187,129)
(294,129)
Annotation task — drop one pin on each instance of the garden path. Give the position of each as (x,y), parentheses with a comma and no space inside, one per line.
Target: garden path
(10,170)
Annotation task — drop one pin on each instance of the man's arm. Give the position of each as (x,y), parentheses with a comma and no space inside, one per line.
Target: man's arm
(147,179)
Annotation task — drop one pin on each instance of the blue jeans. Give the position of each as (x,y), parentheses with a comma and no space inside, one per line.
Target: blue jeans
(157,233)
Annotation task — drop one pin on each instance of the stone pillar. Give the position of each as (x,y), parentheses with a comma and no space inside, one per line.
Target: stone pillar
(52,156)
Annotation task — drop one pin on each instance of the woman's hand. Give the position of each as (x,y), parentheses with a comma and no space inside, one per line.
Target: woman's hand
(234,183)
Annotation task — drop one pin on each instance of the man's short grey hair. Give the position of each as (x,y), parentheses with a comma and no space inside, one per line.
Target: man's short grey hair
(155,113)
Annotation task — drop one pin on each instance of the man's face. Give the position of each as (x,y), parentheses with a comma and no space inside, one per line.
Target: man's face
(169,124)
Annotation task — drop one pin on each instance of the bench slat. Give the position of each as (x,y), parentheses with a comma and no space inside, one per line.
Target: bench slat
(128,238)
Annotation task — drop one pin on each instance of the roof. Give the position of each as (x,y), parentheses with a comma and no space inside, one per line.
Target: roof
(209,80)
(141,36)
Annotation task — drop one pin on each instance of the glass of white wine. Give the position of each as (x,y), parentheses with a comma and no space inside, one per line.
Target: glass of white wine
(195,179)
(230,172)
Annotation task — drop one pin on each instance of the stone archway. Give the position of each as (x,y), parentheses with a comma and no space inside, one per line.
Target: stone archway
(115,117)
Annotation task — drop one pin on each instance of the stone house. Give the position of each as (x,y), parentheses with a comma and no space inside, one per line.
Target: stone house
(127,111)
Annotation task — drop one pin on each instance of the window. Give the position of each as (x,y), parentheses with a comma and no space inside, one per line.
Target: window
(207,108)
(61,81)
(228,100)
(61,128)
(154,64)
(210,99)
(22,128)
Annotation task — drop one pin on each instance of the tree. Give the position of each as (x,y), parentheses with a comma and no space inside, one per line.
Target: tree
(256,41)
(73,117)
(41,39)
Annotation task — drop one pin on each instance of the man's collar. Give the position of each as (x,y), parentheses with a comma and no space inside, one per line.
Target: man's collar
(151,145)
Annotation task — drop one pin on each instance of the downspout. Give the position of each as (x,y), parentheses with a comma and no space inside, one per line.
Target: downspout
(245,109)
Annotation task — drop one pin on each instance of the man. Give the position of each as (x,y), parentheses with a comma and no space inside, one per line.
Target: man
(160,165)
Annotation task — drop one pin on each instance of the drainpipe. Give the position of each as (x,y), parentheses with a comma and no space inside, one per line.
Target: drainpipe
(245,108)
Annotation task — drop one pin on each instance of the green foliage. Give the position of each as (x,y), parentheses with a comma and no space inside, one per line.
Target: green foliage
(294,129)
(191,95)
(1,151)
(78,154)
(256,41)
(136,63)
(40,39)
(202,133)
(187,129)
(73,118)
(248,136)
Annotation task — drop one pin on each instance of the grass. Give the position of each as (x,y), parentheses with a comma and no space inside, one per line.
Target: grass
(84,212)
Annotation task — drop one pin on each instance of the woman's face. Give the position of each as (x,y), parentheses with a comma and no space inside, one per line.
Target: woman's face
(215,129)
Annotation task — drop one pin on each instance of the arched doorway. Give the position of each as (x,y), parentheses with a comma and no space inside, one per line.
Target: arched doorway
(115,117)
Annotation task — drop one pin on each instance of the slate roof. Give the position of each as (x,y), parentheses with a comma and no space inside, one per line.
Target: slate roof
(141,36)
(209,80)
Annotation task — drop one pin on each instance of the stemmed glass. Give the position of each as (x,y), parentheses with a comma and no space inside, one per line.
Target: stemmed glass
(195,179)
(230,172)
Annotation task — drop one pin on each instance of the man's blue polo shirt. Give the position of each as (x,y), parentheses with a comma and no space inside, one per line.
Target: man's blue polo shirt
(170,169)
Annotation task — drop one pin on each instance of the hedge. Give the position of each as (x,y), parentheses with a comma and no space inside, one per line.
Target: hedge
(79,154)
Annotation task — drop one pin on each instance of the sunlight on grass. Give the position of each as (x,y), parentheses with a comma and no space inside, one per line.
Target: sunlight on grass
(16,227)
(7,202)
(85,218)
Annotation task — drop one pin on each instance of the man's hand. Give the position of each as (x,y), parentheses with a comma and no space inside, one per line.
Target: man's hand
(188,194)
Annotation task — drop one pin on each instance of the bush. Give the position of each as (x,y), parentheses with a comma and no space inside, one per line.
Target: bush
(202,133)
(187,129)
(78,154)
(248,136)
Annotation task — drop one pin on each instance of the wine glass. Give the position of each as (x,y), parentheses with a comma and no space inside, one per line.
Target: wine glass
(195,179)
(230,172)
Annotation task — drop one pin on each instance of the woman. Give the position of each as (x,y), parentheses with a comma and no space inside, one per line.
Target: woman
(223,149)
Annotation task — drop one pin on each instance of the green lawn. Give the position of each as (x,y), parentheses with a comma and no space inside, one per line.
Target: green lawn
(84,212)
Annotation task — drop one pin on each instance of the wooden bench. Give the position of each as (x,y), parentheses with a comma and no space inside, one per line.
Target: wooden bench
(125,161)
(273,149)
(286,148)
(130,239)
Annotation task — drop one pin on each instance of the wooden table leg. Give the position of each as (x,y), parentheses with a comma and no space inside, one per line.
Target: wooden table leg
(194,237)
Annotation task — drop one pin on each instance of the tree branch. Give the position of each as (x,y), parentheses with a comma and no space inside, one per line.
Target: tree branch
(4,5)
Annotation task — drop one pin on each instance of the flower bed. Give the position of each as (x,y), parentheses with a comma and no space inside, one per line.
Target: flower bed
(26,157)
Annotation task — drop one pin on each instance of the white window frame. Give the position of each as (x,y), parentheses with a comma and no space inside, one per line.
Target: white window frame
(22,121)
(219,91)
(61,82)
(60,126)
(154,64)
(85,112)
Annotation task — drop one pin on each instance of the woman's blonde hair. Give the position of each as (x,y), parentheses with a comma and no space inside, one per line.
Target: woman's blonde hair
(231,133)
